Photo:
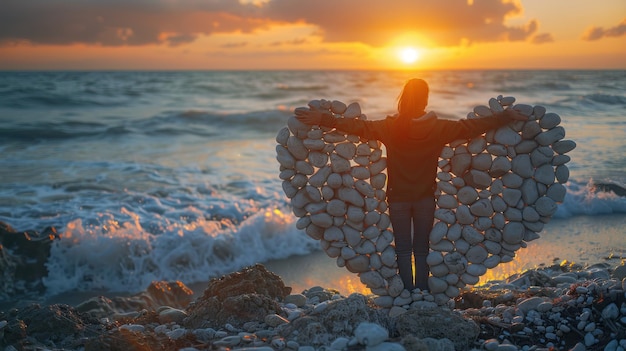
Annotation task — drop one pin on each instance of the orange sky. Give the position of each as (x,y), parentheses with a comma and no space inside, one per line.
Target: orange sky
(321,34)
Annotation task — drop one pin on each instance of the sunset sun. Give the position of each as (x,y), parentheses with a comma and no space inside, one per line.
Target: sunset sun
(408,55)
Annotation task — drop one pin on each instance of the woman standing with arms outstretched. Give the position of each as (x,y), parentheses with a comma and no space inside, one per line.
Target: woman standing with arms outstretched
(413,139)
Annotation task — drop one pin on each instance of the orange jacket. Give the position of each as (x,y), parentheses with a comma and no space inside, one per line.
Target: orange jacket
(412,162)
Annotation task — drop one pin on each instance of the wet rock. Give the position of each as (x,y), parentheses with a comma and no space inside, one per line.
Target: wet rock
(23,256)
(438,323)
(237,298)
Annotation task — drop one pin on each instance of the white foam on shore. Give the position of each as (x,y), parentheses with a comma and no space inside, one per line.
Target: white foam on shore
(126,258)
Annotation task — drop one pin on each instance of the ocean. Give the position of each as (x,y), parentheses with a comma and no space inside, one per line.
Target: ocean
(173,175)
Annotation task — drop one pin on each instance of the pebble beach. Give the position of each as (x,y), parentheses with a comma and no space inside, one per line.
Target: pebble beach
(564,306)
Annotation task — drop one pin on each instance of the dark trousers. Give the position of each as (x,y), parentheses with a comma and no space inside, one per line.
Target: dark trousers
(412,223)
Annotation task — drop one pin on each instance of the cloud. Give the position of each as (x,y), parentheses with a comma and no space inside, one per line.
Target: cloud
(542,38)
(596,33)
(117,22)
(142,22)
(446,23)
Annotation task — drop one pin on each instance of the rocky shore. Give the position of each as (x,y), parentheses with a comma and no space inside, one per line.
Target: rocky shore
(561,307)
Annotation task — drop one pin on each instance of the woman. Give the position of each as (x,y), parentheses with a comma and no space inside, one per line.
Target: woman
(414,140)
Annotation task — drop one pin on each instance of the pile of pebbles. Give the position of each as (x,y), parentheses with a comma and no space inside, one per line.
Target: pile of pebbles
(561,307)
(494,194)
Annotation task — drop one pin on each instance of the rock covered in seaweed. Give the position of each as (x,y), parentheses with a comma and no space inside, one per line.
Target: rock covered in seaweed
(23,257)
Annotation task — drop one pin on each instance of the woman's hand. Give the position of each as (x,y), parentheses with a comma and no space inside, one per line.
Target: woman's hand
(514,115)
(310,117)
(315,117)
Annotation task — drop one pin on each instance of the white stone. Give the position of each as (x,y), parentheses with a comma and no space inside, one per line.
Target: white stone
(314,144)
(284,157)
(323,220)
(530,214)
(282,136)
(507,136)
(483,223)
(464,215)
(513,232)
(378,166)
(562,173)
(495,106)
(304,167)
(483,111)
(447,201)
(358,264)
(545,206)
(556,192)
(530,194)
(438,232)
(351,196)
(471,235)
(314,231)
(507,101)
(372,279)
(482,207)
(492,261)
(497,150)
(460,163)
(447,152)
(512,181)
(531,129)
(477,145)
(445,215)
(455,262)
(337,107)
(355,214)
(469,279)
(545,174)
(443,246)
(346,150)
(297,148)
(434,258)
(511,196)
(339,164)
(498,221)
(563,146)
(476,269)
(481,161)
(334,137)
(541,155)
(297,128)
(499,166)
(492,247)
(522,166)
(467,195)
(524,109)
(513,214)
(378,181)
(447,188)
(558,160)
(549,120)
(539,111)
(437,285)
(551,136)
(454,232)
(438,270)
(352,111)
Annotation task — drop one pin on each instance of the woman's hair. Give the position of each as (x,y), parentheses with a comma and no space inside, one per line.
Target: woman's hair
(411,103)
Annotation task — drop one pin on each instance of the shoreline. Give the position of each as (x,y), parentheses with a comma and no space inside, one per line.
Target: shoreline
(557,243)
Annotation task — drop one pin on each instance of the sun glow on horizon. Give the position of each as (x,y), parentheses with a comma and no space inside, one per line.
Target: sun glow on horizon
(409,55)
